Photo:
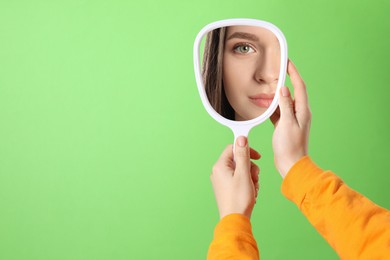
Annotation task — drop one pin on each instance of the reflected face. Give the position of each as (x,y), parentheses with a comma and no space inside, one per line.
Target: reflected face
(251,66)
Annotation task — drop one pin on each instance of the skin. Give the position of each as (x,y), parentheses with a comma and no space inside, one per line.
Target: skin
(292,121)
(236,184)
(251,64)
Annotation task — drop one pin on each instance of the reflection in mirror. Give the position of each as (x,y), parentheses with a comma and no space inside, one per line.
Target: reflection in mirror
(240,70)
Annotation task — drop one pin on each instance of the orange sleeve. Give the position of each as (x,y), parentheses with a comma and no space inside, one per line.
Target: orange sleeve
(353,225)
(233,239)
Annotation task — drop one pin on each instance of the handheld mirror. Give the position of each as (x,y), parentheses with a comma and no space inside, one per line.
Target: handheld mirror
(240,66)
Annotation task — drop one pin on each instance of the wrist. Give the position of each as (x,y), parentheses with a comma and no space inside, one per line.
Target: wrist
(224,214)
(289,164)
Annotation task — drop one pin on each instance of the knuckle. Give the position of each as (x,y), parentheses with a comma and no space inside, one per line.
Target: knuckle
(215,169)
(308,111)
(308,115)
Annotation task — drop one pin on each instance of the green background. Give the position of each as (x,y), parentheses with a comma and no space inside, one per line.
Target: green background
(106,149)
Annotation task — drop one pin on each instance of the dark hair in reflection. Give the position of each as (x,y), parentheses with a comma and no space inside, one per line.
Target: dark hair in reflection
(212,72)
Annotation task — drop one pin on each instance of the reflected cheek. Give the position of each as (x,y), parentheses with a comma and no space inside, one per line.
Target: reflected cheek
(232,84)
(236,76)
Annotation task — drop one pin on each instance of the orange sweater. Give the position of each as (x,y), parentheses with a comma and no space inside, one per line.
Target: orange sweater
(353,225)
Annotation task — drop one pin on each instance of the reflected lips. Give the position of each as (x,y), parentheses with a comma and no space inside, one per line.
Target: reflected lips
(262,100)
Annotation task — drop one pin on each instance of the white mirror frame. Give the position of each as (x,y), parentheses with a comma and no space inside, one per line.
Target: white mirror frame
(240,128)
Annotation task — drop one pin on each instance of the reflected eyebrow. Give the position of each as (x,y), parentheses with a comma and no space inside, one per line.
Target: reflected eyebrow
(243,35)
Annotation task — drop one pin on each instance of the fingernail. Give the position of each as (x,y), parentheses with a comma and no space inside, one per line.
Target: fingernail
(285,92)
(241,141)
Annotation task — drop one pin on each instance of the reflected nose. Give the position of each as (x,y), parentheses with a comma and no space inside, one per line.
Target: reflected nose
(267,71)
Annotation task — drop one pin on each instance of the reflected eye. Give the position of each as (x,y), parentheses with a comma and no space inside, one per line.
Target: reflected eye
(243,48)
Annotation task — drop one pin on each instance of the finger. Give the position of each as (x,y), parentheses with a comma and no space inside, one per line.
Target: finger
(255,155)
(227,154)
(275,117)
(224,161)
(242,156)
(257,188)
(300,92)
(255,170)
(286,105)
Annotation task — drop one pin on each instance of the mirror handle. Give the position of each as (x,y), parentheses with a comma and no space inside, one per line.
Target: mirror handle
(240,131)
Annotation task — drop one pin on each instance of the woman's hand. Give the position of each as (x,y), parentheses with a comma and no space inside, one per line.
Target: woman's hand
(292,124)
(236,184)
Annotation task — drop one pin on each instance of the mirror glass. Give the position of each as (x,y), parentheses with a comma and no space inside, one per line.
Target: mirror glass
(240,68)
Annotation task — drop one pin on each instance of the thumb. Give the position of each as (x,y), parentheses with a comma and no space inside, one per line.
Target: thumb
(286,104)
(241,155)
